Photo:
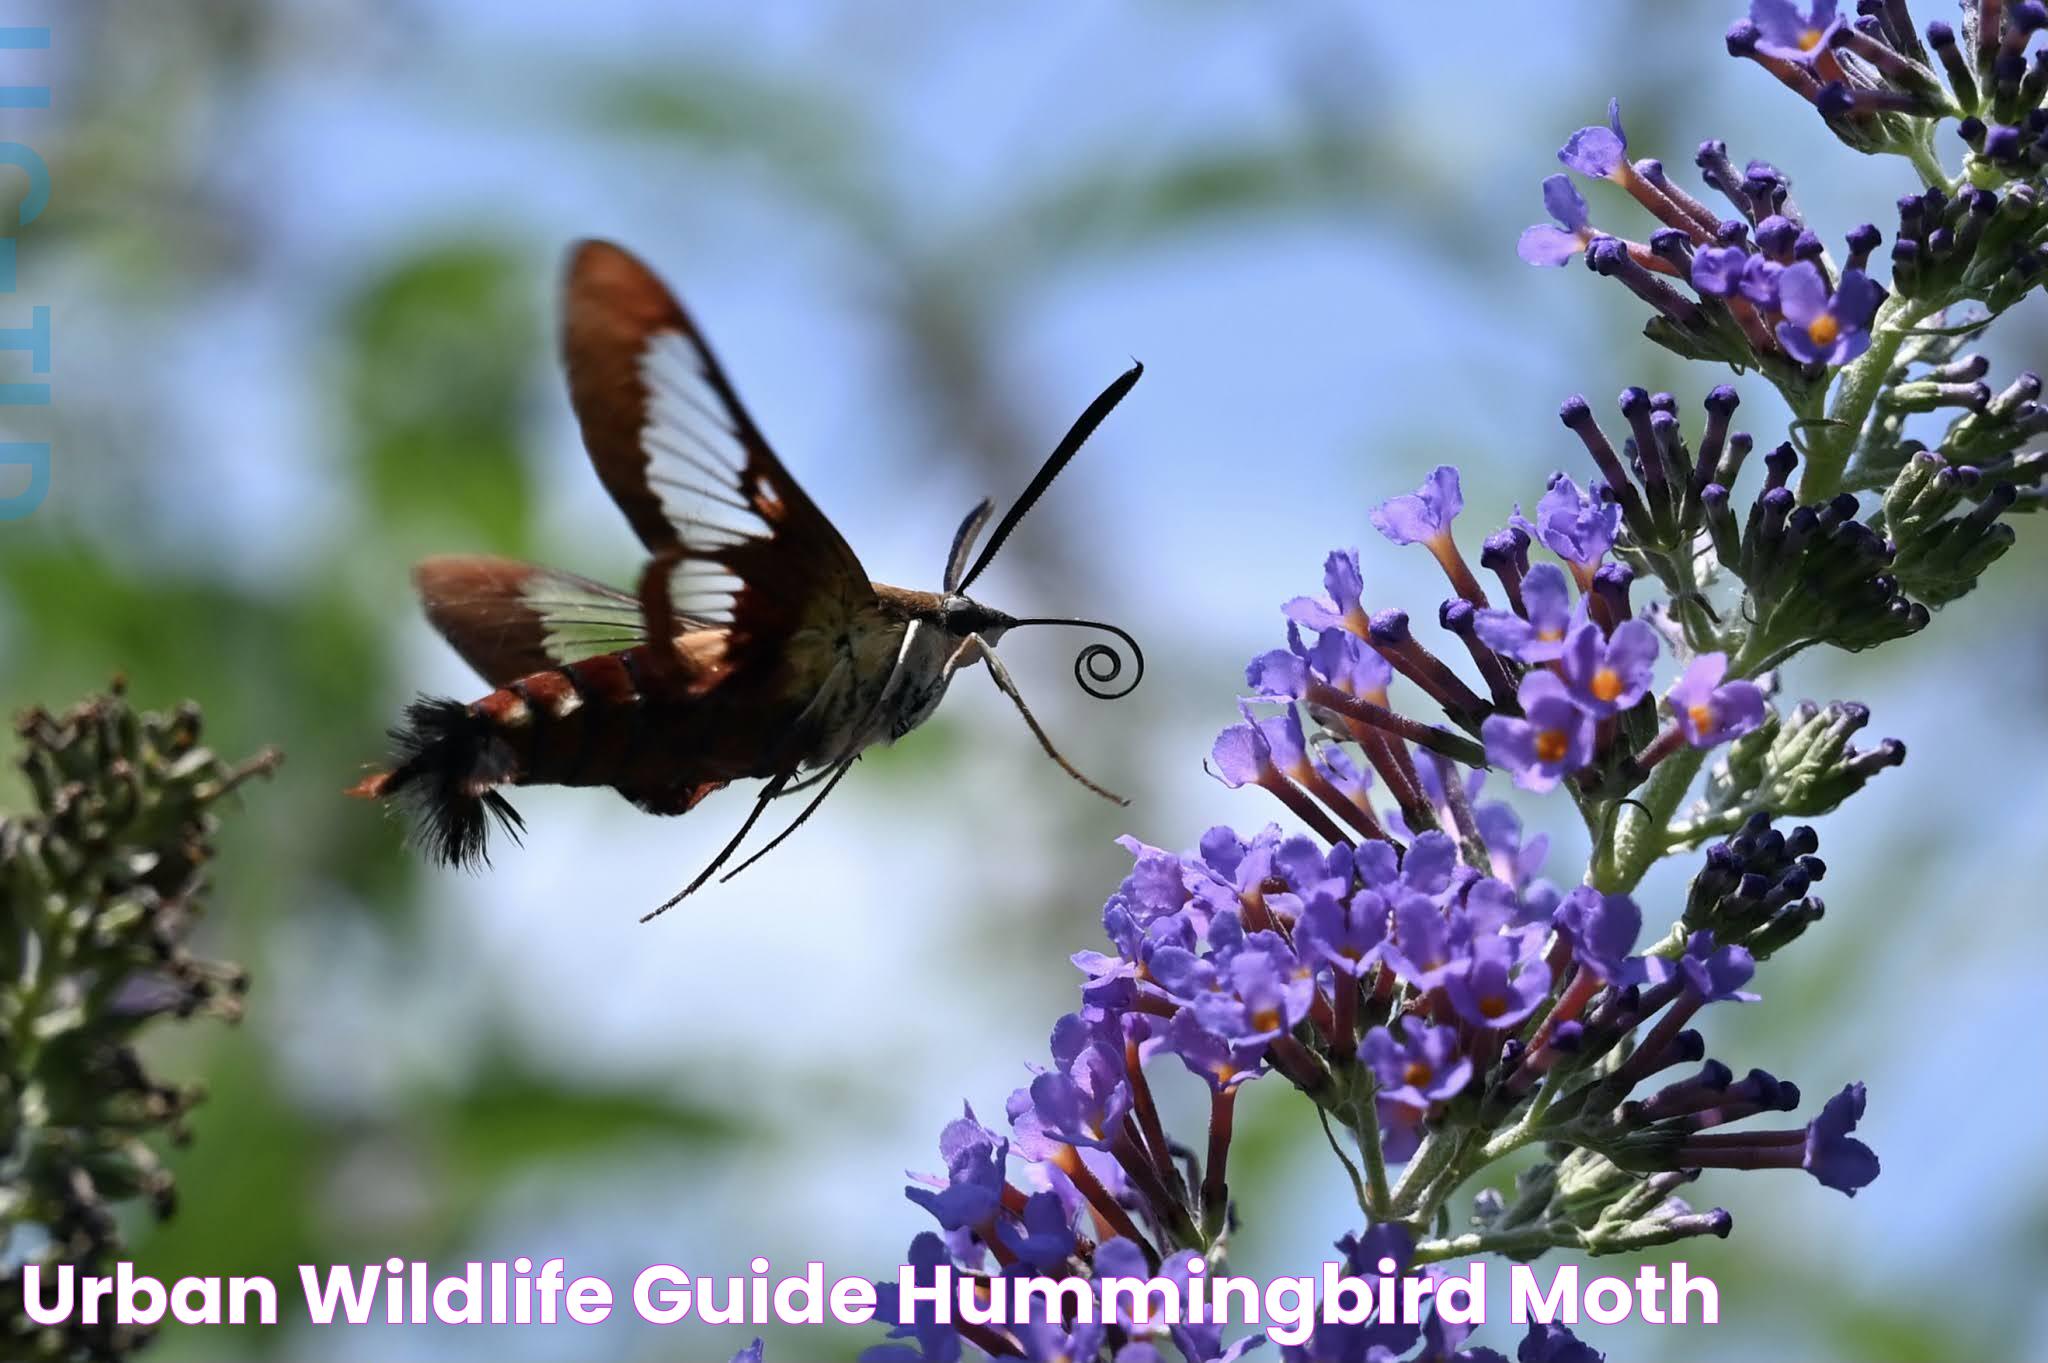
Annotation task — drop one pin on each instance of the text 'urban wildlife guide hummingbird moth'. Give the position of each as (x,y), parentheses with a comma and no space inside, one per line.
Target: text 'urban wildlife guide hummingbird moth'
(754,647)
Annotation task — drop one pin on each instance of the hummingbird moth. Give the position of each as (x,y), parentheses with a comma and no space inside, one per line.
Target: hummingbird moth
(753,646)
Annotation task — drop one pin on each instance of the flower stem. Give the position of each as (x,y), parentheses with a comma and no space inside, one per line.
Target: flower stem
(1638,836)
(1365,1123)
(1365,1205)
(1856,390)
(1523,1243)
(1215,1182)
(1920,151)
(1438,1148)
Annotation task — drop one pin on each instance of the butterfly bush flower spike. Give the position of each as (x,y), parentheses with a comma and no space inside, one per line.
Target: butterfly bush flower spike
(1394,959)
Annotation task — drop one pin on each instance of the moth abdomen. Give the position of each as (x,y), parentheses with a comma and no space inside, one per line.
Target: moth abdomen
(450,759)
(579,724)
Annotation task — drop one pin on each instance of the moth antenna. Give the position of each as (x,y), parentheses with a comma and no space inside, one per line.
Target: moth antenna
(963,542)
(768,793)
(1001,675)
(845,765)
(1062,454)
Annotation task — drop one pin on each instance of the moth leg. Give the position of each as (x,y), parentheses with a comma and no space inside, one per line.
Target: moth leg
(768,793)
(810,781)
(844,766)
(1001,676)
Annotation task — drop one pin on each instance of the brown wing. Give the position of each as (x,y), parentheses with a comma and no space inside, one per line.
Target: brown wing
(734,541)
(509,619)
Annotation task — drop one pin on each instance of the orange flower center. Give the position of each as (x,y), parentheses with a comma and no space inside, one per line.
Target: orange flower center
(1823,329)
(1551,745)
(1493,1005)
(1809,40)
(1606,684)
(1266,1020)
(1550,634)
(1702,717)
(1418,1073)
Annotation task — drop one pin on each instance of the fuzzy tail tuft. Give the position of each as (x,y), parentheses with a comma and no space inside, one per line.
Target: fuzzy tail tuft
(448,761)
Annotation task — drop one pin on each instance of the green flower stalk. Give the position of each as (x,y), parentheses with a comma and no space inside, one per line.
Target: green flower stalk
(101,886)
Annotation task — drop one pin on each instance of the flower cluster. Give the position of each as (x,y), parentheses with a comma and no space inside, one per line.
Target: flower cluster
(1758,288)
(1396,955)
(1761,290)
(1404,965)
(1874,80)
(99,889)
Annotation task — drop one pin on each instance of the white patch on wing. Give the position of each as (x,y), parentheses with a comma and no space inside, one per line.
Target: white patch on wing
(696,464)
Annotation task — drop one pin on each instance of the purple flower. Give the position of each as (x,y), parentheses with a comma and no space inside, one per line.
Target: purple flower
(1823,329)
(1341,609)
(1422,1067)
(1186,977)
(1347,933)
(1579,527)
(1709,974)
(1515,861)
(1198,1343)
(1833,1156)
(1424,515)
(1421,951)
(1334,765)
(1555,1344)
(1429,864)
(1157,884)
(1044,1234)
(1047,1341)
(1599,152)
(1081,1103)
(1222,1063)
(1717,270)
(1279,672)
(935,1342)
(1607,674)
(750,1354)
(1272,994)
(1490,992)
(1347,662)
(1776,235)
(1545,244)
(973,1187)
(1760,282)
(1251,753)
(1441,1341)
(1231,871)
(1786,32)
(1554,740)
(1117,1257)
(1602,930)
(1710,711)
(1400,1129)
(1242,756)
(1547,597)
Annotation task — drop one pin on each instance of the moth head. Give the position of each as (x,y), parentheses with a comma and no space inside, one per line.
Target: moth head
(961,616)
